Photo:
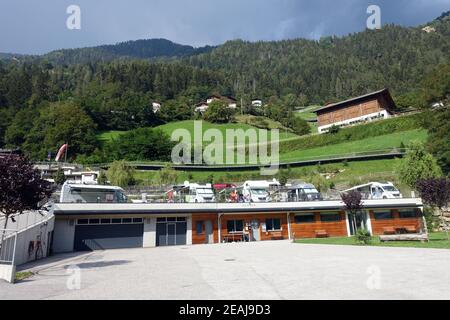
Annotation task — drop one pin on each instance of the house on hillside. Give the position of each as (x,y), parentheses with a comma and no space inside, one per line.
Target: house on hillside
(203,106)
(370,107)
(257,102)
(156,106)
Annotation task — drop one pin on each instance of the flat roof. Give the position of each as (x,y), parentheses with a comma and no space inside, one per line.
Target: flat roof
(218,208)
(384,91)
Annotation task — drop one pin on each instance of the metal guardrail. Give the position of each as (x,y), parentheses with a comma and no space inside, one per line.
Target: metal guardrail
(305,161)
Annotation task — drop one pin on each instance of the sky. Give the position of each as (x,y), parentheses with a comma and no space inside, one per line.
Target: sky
(37,27)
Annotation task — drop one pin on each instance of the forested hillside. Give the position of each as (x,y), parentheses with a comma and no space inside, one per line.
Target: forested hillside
(140,49)
(332,68)
(113,87)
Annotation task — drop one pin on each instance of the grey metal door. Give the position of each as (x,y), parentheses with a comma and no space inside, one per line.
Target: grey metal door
(101,237)
(171,233)
(209,232)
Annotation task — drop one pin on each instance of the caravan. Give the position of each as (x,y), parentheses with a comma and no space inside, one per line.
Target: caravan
(199,193)
(259,191)
(300,192)
(377,190)
(88,193)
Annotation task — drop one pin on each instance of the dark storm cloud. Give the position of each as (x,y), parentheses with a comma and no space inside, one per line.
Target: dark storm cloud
(29,26)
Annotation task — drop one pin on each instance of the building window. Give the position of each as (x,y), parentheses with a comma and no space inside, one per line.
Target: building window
(94,221)
(199,227)
(235,226)
(305,218)
(138,220)
(105,221)
(383,215)
(273,224)
(408,213)
(83,221)
(330,217)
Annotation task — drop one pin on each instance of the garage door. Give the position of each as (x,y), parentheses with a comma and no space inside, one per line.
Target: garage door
(171,231)
(101,234)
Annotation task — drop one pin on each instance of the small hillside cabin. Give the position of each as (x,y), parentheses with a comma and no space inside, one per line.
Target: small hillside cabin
(370,107)
(203,106)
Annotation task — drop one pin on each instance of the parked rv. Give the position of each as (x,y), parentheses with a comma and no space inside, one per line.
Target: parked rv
(198,193)
(259,191)
(86,193)
(377,190)
(300,192)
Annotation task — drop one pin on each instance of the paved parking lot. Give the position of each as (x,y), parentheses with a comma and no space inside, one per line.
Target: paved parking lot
(264,270)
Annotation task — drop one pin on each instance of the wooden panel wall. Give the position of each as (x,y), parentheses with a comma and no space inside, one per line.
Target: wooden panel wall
(351,111)
(262,219)
(201,238)
(308,230)
(396,222)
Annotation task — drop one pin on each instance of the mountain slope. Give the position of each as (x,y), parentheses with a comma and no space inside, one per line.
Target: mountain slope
(139,49)
(332,68)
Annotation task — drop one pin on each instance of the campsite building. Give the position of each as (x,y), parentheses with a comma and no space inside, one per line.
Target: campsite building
(370,107)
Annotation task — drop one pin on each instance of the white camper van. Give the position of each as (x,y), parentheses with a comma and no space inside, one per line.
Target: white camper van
(300,192)
(88,193)
(377,190)
(199,193)
(259,191)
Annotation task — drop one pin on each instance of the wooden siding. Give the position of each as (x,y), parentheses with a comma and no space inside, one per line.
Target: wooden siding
(248,218)
(308,230)
(201,238)
(396,222)
(351,111)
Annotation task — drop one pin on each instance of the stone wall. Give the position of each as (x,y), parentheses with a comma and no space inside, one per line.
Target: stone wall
(440,223)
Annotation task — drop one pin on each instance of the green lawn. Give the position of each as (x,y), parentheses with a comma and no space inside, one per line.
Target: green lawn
(189,125)
(307,113)
(438,240)
(383,142)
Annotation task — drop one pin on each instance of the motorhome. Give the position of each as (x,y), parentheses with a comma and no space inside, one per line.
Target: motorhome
(199,193)
(259,191)
(377,190)
(300,192)
(86,193)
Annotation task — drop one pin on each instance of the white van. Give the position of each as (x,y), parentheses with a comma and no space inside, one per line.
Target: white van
(300,192)
(199,193)
(377,190)
(259,191)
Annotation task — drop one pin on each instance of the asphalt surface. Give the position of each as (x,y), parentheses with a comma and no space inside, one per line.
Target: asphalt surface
(264,270)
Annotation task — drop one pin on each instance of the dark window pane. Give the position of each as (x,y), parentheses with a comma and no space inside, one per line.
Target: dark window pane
(330,217)
(199,227)
(83,221)
(126,220)
(383,215)
(239,225)
(408,213)
(172,219)
(116,221)
(230,226)
(277,224)
(269,225)
(309,218)
(94,221)
(105,221)
(137,220)
(161,220)
(181,219)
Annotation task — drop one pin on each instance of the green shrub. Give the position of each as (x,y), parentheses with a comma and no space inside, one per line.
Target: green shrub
(363,237)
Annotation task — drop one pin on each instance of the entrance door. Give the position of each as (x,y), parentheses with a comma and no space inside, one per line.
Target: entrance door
(171,231)
(171,234)
(255,230)
(209,231)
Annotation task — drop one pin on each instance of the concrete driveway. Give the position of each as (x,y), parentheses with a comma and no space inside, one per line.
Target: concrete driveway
(264,270)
